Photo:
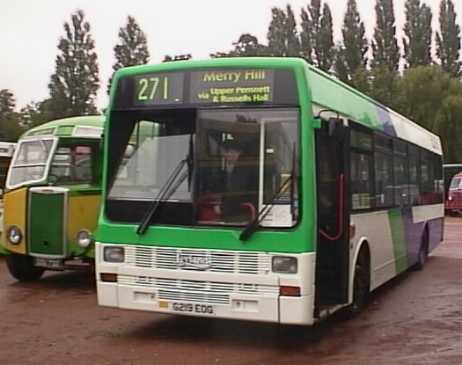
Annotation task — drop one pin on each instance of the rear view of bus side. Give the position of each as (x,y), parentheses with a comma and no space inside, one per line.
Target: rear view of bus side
(336,194)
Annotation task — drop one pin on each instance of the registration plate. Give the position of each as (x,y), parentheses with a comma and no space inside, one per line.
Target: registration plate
(193,308)
(49,263)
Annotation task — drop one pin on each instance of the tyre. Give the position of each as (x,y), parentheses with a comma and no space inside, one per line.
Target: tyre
(21,267)
(361,286)
(423,252)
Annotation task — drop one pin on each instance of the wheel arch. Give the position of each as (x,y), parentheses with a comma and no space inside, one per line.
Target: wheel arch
(363,244)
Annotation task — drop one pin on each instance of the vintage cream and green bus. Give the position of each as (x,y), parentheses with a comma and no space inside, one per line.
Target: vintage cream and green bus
(6,153)
(335,194)
(52,197)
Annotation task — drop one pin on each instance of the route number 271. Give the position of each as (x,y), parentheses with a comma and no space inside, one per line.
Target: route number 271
(151,88)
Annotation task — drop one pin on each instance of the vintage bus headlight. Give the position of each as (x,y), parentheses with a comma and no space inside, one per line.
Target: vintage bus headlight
(84,238)
(285,265)
(114,254)
(14,235)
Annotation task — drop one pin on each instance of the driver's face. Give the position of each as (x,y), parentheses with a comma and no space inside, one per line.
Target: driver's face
(231,154)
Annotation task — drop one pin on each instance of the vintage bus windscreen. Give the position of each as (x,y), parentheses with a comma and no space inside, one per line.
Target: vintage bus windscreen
(178,127)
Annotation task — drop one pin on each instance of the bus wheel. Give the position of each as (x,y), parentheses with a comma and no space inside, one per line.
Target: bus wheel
(423,252)
(21,267)
(361,286)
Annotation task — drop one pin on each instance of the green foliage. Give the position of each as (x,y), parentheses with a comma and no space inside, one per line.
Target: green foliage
(283,38)
(448,39)
(340,65)
(449,127)
(352,56)
(316,37)
(10,128)
(246,46)
(421,91)
(325,41)
(74,84)
(384,86)
(385,49)
(132,49)
(418,34)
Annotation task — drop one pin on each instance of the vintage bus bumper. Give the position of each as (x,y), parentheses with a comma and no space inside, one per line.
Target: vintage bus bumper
(254,293)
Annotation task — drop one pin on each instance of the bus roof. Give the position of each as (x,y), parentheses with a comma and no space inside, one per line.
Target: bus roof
(83,127)
(326,92)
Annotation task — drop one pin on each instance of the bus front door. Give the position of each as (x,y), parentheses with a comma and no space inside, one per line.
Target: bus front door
(332,260)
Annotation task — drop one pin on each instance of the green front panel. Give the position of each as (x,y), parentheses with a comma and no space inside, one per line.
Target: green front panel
(46,218)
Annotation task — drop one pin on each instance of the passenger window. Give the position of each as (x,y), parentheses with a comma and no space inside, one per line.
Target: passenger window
(401,174)
(360,181)
(414,188)
(384,184)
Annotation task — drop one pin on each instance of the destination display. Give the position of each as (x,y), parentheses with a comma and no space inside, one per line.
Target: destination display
(159,89)
(207,87)
(232,86)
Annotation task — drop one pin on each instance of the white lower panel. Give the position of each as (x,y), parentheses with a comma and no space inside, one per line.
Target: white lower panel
(297,311)
(285,310)
(264,309)
(375,228)
(426,213)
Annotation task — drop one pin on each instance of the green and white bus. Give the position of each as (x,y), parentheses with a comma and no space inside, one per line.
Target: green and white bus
(336,193)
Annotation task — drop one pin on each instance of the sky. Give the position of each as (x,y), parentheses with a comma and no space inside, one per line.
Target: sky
(30,31)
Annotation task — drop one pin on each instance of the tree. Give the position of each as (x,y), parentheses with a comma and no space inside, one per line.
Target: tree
(246,46)
(324,49)
(418,34)
(10,128)
(385,49)
(341,70)
(132,49)
(249,46)
(307,35)
(448,39)
(449,127)
(421,92)
(36,113)
(384,86)
(353,53)
(74,84)
(317,39)
(282,33)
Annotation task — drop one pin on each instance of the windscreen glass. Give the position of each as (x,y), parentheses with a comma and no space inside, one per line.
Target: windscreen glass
(73,164)
(205,167)
(30,162)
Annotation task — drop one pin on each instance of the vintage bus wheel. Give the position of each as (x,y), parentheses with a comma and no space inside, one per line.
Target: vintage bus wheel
(21,268)
(361,286)
(423,252)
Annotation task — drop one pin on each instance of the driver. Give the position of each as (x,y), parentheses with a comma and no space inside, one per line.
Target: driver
(239,182)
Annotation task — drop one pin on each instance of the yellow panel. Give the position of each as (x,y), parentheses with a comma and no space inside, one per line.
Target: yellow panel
(82,214)
(15,211)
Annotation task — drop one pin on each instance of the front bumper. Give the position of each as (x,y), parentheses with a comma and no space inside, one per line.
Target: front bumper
(253,297)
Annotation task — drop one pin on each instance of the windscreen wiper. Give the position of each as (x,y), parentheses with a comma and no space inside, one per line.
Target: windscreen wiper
(164,194)
(253,226)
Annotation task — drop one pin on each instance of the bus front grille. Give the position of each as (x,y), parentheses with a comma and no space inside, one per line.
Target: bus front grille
(231,262)
(196,291)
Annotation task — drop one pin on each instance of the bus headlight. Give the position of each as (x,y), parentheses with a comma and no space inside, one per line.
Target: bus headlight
(14,235)
(84,238)
(114,254)
(285,265)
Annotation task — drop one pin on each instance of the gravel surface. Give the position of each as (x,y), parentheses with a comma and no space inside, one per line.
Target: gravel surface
(416,319)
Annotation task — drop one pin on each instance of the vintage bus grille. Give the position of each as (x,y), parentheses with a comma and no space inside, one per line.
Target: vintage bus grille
(217,261)
(196,291)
